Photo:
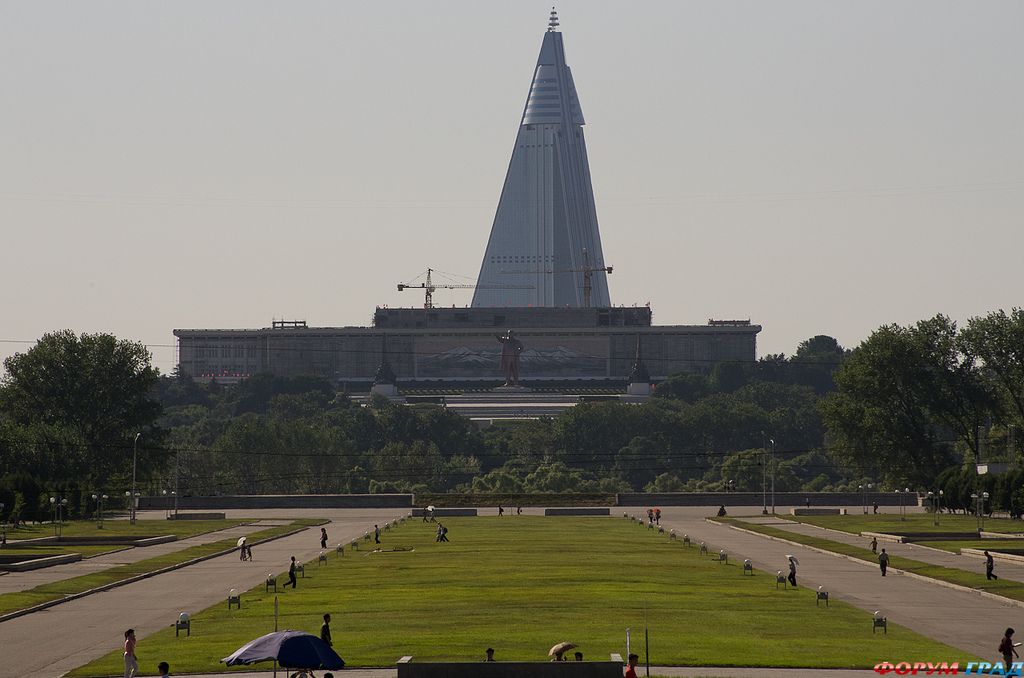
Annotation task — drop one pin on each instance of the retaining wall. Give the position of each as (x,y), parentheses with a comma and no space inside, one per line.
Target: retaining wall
(728,499)
(280,501)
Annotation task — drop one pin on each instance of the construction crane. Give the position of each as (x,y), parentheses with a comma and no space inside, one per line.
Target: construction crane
(586,269)
(429,287)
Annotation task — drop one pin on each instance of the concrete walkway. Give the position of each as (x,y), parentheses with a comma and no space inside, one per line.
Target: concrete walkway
(92,626)
(21,581)
(921,552)
(964,620)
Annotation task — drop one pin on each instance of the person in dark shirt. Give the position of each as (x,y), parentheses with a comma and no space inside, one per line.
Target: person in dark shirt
(1007,649)
(291,575)
(883,561)
(325,630)
(376,534)
(323,537)
(490,654)
(989,565)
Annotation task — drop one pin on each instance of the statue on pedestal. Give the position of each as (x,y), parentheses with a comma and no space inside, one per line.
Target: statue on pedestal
(510,350)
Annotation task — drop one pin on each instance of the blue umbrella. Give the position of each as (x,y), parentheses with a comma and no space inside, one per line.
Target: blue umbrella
(291,649)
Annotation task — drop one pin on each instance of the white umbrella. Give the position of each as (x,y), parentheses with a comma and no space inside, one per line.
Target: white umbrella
(430,508)
(241,540)
(793,558)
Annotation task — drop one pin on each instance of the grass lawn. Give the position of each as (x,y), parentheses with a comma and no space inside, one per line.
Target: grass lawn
(10,602)
(121,528)
(522,584)
(915,522)
(975,580)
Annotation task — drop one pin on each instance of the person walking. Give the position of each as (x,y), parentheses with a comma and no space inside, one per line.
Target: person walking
(519,510)
(291,575)
(989,565)
(440,531)
(376,534)
(165,669)
(444,533)
(792,570)
(131,662)
(657,516)
(883,561)
(874,545)
(323,537)
(490,654)
(501,511)
(1007,649)
(325,630)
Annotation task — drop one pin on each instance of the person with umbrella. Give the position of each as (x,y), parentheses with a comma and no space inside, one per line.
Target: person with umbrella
(793,562)
(559,649)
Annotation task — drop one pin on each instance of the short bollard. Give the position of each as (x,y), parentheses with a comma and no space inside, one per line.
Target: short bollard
(686,540)
(661,530)
(340,550)
(322,559)
(672,535)
(301,569)
(703,549)
(366,536)
(355,545)
(879,622)
(748,568)
(650,526)
(183,623)
(387,526)
(822,595)
(723,557)
(271,581)
(780,579)
(234,599)
(625,515)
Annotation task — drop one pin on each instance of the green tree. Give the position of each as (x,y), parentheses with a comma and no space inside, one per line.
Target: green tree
(890,408)
(94,385)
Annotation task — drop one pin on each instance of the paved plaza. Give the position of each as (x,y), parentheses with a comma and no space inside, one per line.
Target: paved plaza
(92,626)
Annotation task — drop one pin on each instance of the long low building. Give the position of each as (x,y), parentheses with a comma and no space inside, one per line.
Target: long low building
(460,345)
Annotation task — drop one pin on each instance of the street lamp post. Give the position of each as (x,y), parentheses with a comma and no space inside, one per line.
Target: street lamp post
(899,496)
(863,499)
(979,503)
(772,441)
(937,512)
(764,478)
(135,458)
(58,505)
(99,499)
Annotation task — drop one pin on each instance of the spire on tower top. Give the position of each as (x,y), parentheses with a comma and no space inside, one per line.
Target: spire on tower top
(553,21)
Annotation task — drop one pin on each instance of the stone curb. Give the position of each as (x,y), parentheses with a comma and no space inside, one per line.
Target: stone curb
(948,585)
(131,580)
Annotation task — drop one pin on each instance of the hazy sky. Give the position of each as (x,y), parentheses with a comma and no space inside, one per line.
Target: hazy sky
(818,167)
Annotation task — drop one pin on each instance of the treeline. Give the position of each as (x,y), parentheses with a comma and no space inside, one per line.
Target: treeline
(908,404)
(914,401)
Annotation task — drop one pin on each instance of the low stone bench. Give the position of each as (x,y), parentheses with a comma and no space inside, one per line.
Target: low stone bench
(25,563)
(1015,556)
(577,511)
(921,536)
(817,511)
(197,516)
(446,512)
(498,669)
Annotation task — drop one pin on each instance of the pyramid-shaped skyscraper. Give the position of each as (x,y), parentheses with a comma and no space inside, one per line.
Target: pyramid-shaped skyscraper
(544,242)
